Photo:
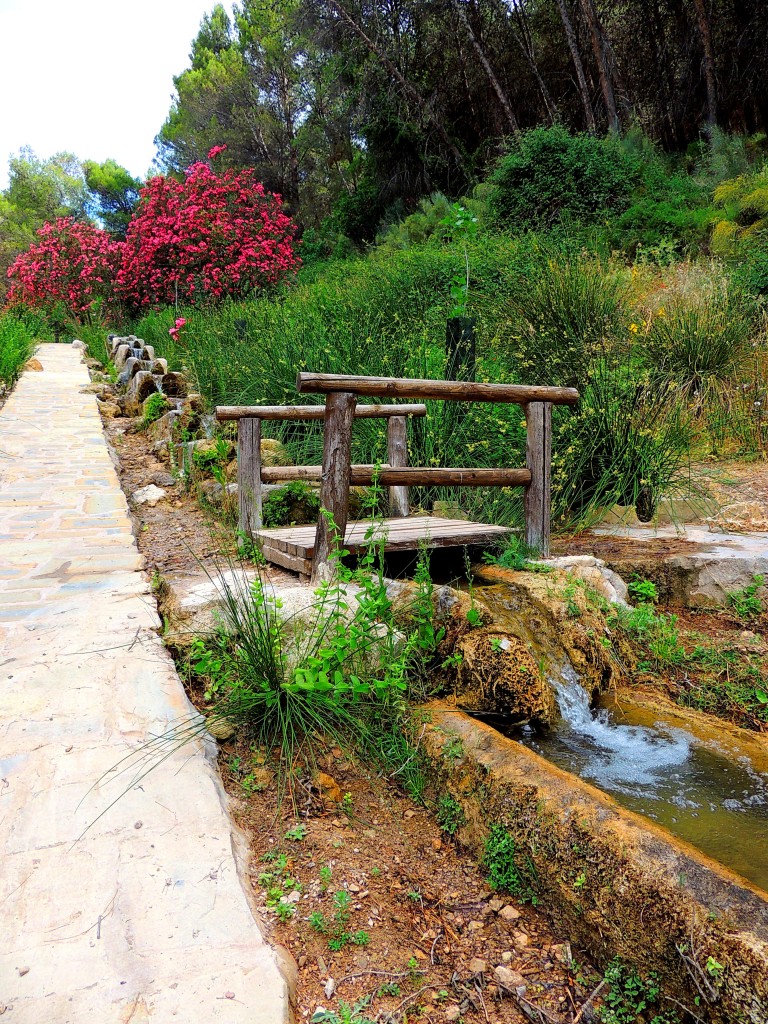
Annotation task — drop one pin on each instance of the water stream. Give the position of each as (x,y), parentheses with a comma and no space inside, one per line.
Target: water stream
(693,788)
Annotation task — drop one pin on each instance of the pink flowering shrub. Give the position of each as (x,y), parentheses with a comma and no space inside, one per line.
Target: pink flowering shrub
(72,266)
(206,237)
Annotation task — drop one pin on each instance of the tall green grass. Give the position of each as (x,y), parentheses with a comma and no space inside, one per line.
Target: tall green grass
(18,332)
(546,312)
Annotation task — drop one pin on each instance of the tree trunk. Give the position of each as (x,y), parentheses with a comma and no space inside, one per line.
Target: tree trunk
(599,48)
(525,42)
(709,62)
(495,84)
(573,46)
(401,80)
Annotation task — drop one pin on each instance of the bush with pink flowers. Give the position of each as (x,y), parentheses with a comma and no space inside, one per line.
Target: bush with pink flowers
(71,267)
(207,237)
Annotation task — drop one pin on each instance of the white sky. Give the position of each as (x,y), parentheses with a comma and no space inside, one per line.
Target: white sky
(94,77)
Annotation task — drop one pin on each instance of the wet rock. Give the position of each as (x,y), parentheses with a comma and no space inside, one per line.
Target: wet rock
(174,385)
(120,355)
(149,495)
(159,367)
(499,674)
(141,387)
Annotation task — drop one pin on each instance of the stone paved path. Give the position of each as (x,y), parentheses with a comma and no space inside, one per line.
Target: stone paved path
(143,918)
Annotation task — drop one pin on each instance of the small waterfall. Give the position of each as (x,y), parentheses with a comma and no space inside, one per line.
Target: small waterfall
(623,757)
(695,789)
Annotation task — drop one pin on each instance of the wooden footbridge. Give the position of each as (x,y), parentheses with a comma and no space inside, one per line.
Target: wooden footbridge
(308,549)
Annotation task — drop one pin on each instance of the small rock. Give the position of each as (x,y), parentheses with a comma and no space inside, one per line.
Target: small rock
(475,926)
(110,410)
(33,364)
(163,480)
(79,345)
(302,959)
(521,939)
(23,971)
(321,966)
(437,844)
(509,914)
(452,1013)
(329,788)
(510,980)
(229,995)
(477,966)
(330,988)
(496,904)
(221,728)
(507,956)
(149,495)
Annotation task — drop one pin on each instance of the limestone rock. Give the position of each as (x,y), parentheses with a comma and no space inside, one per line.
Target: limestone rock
(498,673)
(508,979)
(174,385)
(34,365)
(109,410)
(149,495)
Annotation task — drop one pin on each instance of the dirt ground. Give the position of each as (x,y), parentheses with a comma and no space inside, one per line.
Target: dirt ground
(431,933)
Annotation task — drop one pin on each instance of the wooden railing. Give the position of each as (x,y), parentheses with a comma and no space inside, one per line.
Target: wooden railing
(251,474)
(337,472)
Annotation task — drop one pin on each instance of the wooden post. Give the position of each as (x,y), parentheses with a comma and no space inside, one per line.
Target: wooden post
(249,474)
(334,489)
(397,452)
(538,417)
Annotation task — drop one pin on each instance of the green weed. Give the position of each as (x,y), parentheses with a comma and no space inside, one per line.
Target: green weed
(745,603)
(502,862)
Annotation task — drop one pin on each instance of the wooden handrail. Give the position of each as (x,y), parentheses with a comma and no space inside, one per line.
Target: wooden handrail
(413,476)
(453,390)
(312,412)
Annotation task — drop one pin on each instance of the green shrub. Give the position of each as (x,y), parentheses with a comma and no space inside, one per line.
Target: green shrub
(154,407)
(551,173)
(502,862)
(700,345)
(296,502)
(567,311)
(18,331)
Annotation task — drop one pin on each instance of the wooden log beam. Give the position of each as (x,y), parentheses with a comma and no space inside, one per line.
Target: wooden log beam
(455,390)
(249,475)
(334,490)
(397,453)
(312,412)
(538,417)
(407,476)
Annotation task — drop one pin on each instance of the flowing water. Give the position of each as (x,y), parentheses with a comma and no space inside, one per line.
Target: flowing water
(696,790)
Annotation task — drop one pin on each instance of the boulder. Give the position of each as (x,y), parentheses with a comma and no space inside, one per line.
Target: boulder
(141,387)
(159,367)
(498,674)
(79,345)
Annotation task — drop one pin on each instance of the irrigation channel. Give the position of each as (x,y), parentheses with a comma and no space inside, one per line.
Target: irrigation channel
(694,788)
